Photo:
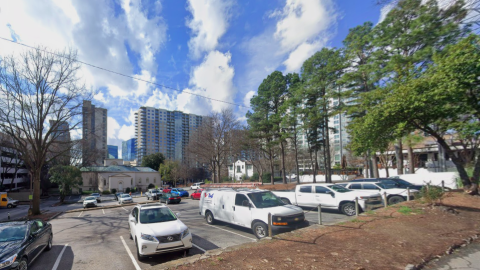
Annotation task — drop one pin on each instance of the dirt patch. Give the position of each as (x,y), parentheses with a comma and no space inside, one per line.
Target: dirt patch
(390,238)
(44,216)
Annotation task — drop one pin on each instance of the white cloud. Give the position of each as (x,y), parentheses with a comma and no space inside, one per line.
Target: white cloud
(212,78)
(208,23)
(385,10)
(100,96)
(303,20)
(300,54)
(159,99)
(112,128)
(248,96)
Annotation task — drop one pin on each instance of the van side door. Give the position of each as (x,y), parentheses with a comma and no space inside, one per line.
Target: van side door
(242,213)
(305,196)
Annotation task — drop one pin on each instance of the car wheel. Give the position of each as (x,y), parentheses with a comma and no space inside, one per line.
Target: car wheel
(23,264)
(130,233)
(139,257)
(209,217)
(191,197)
(260,229)
(285,201)
(49,244)
(9,206)
(348,209)
(187,251)
(395,200)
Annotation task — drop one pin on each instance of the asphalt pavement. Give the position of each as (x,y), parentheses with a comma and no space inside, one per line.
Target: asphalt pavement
(99,239)
(466,258)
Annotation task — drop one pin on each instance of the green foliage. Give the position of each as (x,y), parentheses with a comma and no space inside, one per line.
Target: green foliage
(153,161)
(170,171)
(67,177)
(266,177)
(408,211)
(151,186)
(127,190)
(255,177)
(226,179)
(106,192)
(430,194)
(113,190)
(87,192)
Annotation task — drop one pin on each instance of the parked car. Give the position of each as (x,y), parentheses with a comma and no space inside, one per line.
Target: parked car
(22,242)
(156,229)
(180,191)
(117,195)
(166,190)
(250,209)
(152,194)
(394,194)
(330,196)
(97,196)
(125,198)
(196,185)
(89,201)
(6,201)
(170,198)
(399,182)
(197,194)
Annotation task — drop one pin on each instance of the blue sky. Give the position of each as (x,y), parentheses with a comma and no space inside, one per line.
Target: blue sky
(222,49)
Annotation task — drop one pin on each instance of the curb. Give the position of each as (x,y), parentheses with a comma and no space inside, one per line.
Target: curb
(106,207)
(56,215)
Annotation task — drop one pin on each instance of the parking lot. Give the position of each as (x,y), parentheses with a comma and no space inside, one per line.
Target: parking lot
(99,238)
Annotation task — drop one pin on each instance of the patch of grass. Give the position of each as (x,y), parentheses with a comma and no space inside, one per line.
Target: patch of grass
(219,259)
(356,220)
(405,210)
(371,212)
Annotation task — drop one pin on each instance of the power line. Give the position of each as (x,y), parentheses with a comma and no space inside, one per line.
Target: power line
(127,76)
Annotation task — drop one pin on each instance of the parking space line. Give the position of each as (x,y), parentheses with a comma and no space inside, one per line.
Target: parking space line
(80,214)
(57,262)
(232,232)
(103,211)
(124,209)
(199,248)
(130,254)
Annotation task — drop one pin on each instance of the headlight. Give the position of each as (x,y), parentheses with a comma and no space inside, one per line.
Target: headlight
(274,218)
(149,237)
(8,261)
(185,233)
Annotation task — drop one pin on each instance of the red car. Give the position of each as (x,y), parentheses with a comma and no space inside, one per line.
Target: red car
(167,190)
(197,194)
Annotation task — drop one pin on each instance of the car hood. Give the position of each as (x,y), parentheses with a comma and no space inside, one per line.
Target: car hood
(8,248)
(163,228)
(89,201)
(284,210)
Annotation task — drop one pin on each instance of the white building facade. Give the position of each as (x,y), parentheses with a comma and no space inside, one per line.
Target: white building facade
(240,170)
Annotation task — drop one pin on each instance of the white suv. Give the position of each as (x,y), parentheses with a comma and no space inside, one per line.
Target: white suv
(156,229)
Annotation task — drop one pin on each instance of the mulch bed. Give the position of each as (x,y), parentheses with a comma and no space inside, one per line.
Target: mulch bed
(390,238)
(44,216)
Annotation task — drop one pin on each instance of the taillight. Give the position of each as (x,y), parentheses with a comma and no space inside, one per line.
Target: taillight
(171,198)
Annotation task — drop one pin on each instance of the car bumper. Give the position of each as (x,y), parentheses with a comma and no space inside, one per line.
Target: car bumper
(127,201)
(151,248)
(290,226)
(90,205)
(174,201)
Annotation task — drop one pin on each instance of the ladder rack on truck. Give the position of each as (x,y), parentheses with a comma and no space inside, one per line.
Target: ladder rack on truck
(232,185)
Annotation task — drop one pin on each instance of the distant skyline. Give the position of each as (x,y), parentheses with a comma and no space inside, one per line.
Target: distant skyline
(222,49)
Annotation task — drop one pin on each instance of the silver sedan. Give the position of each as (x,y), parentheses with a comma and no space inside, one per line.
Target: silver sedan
(125,198)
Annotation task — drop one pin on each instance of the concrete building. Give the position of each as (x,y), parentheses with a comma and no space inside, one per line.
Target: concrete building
(112,151)
(129,152)
(94,134)
(240,170)
(119,175)
(13,173)
(62,132)
(167,132)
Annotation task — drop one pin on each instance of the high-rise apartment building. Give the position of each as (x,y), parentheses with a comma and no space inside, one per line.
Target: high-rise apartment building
(112,151)
(62,132)
(129,152)
(94,150)
(167,132)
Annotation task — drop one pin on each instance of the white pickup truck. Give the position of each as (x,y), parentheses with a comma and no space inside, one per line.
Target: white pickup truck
(330,196)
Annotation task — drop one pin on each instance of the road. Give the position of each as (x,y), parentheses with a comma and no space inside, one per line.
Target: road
(99,239)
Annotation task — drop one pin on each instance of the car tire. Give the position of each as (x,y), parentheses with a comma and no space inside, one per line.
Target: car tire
(395,200)
(260,229)
(49,244)
(348,209)
(209,218)
(187,251)
(139,256)
(191,197)
(9,206)
(23,264)
(285,201)
(130,233)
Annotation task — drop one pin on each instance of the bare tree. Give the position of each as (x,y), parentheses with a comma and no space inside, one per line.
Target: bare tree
(212,141)
(35,87)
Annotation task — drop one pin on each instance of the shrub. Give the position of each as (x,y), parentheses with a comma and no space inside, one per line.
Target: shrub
(113,190)
(87,192)
(151,185)
(266,177)
(254,177)
(430,194)
(106,192)
(127,190)
(226,179)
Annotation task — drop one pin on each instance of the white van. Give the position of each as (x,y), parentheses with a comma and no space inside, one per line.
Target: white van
(196,185)
(250,208)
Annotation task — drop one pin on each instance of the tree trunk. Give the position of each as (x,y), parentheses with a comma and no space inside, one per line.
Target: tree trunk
(296,164)
(386,166)
(282,148)
(375,166)
(411,161)
(271,171)
(456,161)
(328,162)
(367,168)
(36,193)
(399,154)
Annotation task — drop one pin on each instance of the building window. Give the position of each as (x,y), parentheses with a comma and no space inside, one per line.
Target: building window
(148,180)
(131,182)
(139,180)
(104,182)
(154,180)
(90,181)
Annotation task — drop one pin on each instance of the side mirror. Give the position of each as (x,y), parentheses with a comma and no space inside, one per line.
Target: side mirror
(178,214)
(133,220)
(331,194)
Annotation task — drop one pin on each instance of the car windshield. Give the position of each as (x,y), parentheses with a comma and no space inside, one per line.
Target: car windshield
(95,194)
(180,189)
(90,198)
(12,233)
(154,191)
(402,182)
(155,215)
(339,188)
(125,196)
(265,199)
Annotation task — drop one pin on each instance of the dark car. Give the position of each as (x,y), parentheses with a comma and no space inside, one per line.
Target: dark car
(398,182)
(21,242)
(170,198)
